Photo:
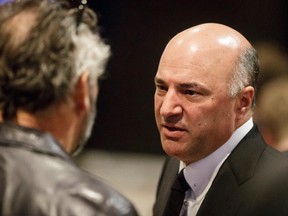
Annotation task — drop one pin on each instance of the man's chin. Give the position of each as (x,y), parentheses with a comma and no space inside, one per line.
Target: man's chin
(83,140)
(85,133)
(172,149)
(78,149)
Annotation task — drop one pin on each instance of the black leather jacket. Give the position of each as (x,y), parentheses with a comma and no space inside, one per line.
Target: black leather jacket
(38,178)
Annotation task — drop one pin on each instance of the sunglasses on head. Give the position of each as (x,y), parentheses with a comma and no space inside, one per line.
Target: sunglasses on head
(80,4)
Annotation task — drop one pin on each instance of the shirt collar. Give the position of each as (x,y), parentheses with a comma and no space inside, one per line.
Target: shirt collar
(199,173)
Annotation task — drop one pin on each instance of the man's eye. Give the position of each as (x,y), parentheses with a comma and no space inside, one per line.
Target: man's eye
(161,87)
(190,92)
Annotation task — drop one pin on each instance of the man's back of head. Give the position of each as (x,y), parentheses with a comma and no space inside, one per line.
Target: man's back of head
(40,48)
(45,48)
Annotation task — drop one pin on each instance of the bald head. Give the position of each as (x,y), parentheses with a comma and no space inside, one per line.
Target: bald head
(212,40)
(210,35)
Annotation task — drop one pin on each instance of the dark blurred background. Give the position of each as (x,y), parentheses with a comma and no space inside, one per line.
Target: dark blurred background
(138,32)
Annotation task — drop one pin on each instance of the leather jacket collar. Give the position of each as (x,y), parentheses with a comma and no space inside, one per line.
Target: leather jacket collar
(13,135)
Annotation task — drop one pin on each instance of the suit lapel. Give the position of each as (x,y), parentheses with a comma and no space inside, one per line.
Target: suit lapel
(224,197)
(167,178)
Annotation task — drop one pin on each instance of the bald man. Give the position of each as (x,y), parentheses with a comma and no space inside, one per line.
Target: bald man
(204,100)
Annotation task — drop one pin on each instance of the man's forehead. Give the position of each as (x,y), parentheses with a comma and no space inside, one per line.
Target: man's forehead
(196,76)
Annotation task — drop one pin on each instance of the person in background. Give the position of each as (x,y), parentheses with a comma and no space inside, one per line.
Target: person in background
(274,64)
(204,101)
(51,57)
(272,113)
(272,95)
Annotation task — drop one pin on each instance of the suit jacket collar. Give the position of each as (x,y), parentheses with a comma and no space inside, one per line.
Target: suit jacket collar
(168,176)
(224,192)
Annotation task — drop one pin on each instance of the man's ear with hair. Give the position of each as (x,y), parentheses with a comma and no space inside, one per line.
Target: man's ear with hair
(81,93)
(245,102)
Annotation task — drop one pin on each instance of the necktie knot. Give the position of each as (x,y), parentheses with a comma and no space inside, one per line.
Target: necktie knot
(180,183)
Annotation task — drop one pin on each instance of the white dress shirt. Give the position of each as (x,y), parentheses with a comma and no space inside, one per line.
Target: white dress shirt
(201,174)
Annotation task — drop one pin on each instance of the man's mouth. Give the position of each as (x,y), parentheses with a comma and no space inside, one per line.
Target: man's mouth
(172,132)
(173,128)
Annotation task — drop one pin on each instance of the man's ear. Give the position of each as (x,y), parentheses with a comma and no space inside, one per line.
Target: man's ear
(245,101)
(81,92)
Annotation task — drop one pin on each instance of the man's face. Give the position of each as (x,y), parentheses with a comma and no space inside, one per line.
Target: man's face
(194,113)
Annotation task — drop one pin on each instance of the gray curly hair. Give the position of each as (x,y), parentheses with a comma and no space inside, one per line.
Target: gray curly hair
(43,52)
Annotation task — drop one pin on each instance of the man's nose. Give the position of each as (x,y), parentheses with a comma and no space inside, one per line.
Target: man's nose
(171,109)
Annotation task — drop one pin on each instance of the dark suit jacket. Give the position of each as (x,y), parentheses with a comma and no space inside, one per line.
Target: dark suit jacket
(253,181)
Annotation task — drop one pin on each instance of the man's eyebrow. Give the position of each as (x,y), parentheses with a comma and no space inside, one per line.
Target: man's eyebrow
(158,80)
(181,85)
(190,85)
